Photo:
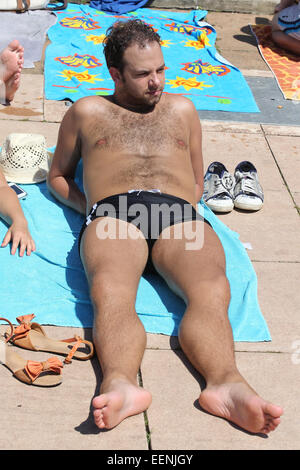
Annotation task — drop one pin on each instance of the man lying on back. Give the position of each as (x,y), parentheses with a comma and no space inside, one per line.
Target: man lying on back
(141,150)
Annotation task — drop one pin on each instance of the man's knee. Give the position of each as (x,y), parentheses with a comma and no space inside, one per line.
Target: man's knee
(213,290)
(107,289)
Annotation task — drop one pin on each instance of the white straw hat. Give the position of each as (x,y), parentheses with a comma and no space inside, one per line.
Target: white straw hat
(24,158)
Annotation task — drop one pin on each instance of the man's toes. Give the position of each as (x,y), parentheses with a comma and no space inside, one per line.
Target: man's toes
(99,402)
(273,411)
(99,418)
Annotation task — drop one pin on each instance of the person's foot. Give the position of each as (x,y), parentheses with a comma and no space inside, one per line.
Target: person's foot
(119,400)
(11,63)
(11,86)
(238,403)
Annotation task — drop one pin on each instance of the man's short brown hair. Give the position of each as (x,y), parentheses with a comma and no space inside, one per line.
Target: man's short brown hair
(123,34)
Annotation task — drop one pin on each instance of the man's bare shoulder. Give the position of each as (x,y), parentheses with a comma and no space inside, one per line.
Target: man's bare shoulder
(180,104)
(88,106)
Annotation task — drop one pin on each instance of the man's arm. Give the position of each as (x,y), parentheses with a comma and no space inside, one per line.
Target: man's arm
(66,157)
(196,151)
(11,211)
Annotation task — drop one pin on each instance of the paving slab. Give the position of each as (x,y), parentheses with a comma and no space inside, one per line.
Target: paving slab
(61,417)
(48,129)
(177,422)
(276,281)
(235,42)
(28,102)
(256,73)
(231,127)
(279,300)
(274,230)
(281,130)
(54,111)
(286,151)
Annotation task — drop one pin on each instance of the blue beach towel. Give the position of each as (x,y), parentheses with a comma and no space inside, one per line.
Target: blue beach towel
(75,65)
(51,283)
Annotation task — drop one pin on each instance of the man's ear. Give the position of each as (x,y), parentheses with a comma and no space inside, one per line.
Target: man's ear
(115,74)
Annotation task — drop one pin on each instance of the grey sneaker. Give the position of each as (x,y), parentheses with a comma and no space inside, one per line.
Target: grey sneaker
(248,193)
(218,186)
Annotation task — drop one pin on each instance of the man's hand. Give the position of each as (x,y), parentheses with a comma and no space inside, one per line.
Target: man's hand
(19,235)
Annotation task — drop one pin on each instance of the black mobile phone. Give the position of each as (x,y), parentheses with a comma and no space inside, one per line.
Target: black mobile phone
(18,190)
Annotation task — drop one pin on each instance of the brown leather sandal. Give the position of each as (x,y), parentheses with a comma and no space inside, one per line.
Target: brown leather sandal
(41,374)
(32,336)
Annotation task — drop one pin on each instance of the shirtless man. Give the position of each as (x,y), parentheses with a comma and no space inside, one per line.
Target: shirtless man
(11,63)
(141,139)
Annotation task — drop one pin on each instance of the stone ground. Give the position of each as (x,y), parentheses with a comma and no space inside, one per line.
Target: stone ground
(61,418)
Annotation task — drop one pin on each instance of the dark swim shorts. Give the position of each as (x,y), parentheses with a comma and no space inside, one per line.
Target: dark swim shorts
(150,211)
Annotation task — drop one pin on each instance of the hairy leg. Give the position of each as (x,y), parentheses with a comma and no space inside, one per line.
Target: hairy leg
(113,269)
(205,333)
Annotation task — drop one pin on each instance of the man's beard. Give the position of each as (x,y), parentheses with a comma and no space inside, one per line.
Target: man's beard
(154,99)
(147,99)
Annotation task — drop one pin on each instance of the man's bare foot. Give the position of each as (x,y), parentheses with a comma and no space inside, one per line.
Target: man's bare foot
(11,86)
(11,63)
(238,403)
(120,400)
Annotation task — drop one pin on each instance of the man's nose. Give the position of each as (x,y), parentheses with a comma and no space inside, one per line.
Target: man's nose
(154,81)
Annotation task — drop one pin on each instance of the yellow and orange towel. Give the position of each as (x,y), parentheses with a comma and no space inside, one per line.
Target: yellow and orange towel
(284,65)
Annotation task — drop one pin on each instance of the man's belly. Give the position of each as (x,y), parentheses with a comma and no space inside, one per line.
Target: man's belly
(106,176)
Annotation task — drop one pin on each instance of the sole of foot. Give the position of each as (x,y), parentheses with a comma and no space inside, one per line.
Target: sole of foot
(239,404)
(11,61)
(120,401)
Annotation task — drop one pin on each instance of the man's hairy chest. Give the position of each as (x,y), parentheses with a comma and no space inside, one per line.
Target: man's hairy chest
(139,134)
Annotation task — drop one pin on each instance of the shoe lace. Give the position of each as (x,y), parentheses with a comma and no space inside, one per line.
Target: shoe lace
(227,181)
(248,184)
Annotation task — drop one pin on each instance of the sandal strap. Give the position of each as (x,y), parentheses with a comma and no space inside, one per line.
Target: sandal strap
(23,329)
(78,342)
(11,329)
(34,369)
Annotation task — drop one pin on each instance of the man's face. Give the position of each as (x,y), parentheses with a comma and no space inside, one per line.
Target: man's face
(143,77)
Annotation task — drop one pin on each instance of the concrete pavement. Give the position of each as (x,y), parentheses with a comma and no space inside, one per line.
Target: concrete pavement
(61,418)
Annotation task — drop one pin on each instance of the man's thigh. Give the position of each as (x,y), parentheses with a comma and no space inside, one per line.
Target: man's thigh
(184,262)
(113,250)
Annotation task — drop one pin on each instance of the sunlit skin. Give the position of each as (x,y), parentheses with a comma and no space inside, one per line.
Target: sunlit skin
(142,81)
(11,63)
(142,138)
(18,235)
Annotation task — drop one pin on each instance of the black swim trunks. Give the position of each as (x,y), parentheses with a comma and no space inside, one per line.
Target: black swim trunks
(150,211)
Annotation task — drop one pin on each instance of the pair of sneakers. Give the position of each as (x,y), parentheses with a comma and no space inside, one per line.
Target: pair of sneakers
(223,192)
